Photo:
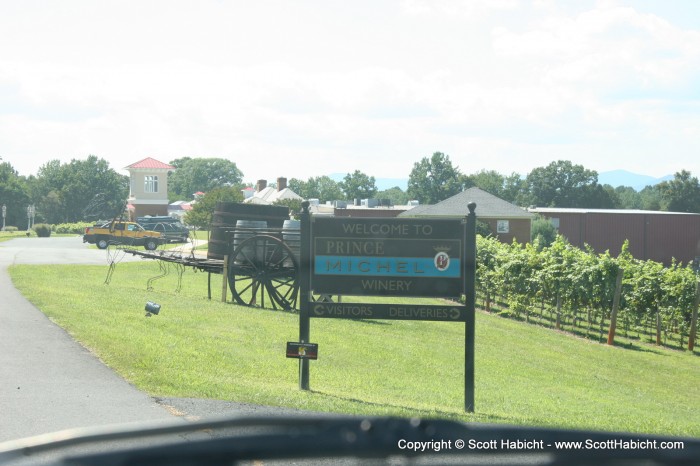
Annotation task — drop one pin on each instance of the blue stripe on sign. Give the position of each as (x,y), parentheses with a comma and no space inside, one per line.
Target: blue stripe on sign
(384,266)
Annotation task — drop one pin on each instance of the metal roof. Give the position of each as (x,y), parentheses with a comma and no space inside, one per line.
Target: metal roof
(487,206)
(269,195)
(567,210)
(151,163)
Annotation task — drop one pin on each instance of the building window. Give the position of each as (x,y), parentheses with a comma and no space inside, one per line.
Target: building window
(555,222)
(150,184)
(502,226)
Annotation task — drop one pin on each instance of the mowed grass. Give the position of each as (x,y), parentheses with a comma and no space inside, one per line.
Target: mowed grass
(525,374)
(8,235)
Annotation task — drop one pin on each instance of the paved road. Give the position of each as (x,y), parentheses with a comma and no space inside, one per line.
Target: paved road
(49,382)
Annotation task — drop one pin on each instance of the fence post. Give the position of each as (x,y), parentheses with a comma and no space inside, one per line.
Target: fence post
(224,282)
(694,319)
(558,321)
(615,307)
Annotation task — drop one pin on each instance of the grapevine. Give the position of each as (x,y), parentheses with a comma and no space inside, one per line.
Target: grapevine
(571,289)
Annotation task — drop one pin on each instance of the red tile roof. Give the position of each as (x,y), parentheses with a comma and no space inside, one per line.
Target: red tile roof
(149,162)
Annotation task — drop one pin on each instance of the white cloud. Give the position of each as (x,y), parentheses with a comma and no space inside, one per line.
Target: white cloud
(462,8)
(604,47)
(306,89)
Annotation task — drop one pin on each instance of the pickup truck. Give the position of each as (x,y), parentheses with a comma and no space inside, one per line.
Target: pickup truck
(129,233)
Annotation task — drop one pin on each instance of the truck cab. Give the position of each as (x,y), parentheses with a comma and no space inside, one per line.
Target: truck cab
(122,233)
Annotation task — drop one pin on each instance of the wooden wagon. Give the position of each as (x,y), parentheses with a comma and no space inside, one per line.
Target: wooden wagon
(258,249)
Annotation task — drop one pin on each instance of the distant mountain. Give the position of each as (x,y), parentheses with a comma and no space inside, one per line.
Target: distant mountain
(617,178)
(614,178)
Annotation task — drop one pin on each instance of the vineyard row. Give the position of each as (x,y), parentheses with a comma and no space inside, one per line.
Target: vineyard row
(567,287)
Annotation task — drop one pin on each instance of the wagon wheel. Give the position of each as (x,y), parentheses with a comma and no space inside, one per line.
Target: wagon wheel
(263,270)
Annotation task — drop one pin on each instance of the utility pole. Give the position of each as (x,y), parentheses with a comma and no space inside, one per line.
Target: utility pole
(30,216)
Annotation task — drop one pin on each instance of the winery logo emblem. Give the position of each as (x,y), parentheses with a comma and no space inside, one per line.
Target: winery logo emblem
(442,259)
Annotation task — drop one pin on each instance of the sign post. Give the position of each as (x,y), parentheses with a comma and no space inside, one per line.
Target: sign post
(389,257)
(470,298)
(304,291)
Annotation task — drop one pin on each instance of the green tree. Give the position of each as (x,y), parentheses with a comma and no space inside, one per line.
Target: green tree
(13,195)
(543,232)
(488,180)
(483,229)
(298,186)
(294,206)
(358,185)
(434,179)
(515,189)
(79,190)
(613,198)
(201,174)
(650,198)
(628,198)
(598,196)
(681,194)
(396,195)
(328,189)
(563,184)
(202,212)
(320,187)
(511,188)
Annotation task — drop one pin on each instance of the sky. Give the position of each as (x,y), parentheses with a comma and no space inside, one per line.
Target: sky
(305,88)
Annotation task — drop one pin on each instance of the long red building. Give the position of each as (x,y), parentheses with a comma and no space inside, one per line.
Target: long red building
(652,235)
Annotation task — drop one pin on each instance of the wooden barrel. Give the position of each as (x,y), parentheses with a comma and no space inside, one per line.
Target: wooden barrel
(218,242)
(247,229)
(226,214)
(291,235)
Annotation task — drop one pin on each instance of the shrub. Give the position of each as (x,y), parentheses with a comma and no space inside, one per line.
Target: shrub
(11,229)
(42,230)
(483,229)
(543,232)
(70,228)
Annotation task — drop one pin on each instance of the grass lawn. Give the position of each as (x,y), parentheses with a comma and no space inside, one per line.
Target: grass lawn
(8,235)
(525,374)
(200,234)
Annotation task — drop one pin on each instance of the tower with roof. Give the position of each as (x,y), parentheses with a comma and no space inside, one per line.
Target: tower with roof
(148,192)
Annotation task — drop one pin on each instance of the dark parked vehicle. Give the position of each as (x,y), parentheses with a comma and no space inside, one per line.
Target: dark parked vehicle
(170,228)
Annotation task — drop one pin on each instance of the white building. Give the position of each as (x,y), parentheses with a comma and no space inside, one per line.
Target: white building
(148,187)
(268,195)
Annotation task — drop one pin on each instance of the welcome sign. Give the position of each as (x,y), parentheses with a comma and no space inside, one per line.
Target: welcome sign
(388,257)
(398,257)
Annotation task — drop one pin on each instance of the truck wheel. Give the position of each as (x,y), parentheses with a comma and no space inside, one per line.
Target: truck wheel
(102,243)
(150,244)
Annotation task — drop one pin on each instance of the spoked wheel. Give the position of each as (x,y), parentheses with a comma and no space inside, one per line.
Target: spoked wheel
(262,272)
